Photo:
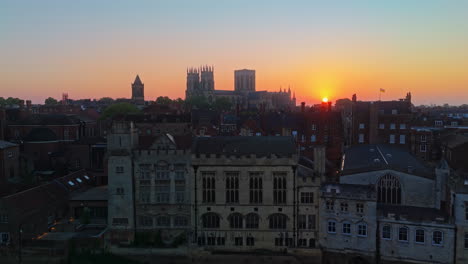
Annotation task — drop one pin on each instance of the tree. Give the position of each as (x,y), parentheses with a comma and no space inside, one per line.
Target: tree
(163,100)
(50,101)
(199,102)
(119,109)
(106,100)
(9,101)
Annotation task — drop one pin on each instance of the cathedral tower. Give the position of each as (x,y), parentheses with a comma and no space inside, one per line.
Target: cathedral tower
(207,78)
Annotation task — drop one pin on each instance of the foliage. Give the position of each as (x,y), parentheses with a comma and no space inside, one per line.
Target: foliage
(163,100)
(119,109)
(9,101)
(50,101)
(106,100)
(199,102)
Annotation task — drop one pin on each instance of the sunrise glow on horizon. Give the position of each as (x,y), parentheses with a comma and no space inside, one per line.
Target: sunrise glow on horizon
(94,49)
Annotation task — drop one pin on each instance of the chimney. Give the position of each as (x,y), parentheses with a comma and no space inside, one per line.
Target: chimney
(302,107)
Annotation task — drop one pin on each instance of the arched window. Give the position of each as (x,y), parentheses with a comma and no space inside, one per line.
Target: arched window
(389,190)
(210,220)
(235,220)
(278,221)
(163,220)
(251,221)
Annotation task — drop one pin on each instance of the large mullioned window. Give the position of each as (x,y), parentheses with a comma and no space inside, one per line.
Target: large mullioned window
(389,190)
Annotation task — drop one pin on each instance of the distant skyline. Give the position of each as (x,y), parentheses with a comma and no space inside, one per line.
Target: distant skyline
(94,49)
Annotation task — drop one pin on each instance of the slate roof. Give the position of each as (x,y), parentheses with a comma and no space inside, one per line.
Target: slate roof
(239,145)
(41,134)
(49,119)
(362,158)
(6,144)
(349,190)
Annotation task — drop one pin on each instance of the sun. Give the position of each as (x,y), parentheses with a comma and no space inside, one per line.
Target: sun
(325,100)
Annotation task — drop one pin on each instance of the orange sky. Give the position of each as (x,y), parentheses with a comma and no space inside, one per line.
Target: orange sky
(92,50)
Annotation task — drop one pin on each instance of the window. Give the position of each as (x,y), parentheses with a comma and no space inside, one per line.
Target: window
(278,221)
(145,171)
(313,138)
(361,126)
(419,236)
(311,221)
(307,197)
(179,172)
(162,192)
(360,208)
(346,228)
(278,241)
(145,194)
(344,207)
(389,190)
(381,126)
(402,139)
(210,220)
(302,242)
(210,241)
(437,238)
(394,111)
(302,222)
(163,220)
(387,232)
(250,241)
(314,127)
(466,241)
(422,148)
(180,192)
(361,138)
(146,221)
(120,191)
(403,234)
(423,138)
(162,171)
(181,220)
(119,221)
(454,123)
(392,139)
(331,226)
(232,187)
(330,205)
(209,186)
(4,218)
(438,123)
(5,238)
(251,221)
(119,169)
(221,241)
(279,187)
(362,229)
(392,126)
(402,126)
(256,187)
(235,220)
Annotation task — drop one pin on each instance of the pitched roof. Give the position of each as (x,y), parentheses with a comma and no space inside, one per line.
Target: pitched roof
(239,145)
(362,158)
(6,144)
(137,80)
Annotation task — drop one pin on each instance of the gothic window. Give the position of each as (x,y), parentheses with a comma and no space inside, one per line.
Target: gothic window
(210,220)
(307,197)
(256,187)
(278,221)
(235,220)
(179,172)
(208,187)
(232,187)
(162,171)
(389,190)
(251,221)
(279,187)
(145,171)
(180,192)
(162,191)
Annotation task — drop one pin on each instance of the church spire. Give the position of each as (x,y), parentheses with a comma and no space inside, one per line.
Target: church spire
(137,80)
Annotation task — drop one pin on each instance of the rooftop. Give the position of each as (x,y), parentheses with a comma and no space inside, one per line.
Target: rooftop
(412,213)
(6,144)
(238,145)
(92,194)
(371,157)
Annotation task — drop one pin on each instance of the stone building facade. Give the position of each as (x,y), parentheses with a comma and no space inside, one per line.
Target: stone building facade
(244,193)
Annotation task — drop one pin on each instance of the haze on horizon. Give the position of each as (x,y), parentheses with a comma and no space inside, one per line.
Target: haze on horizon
(92,49)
